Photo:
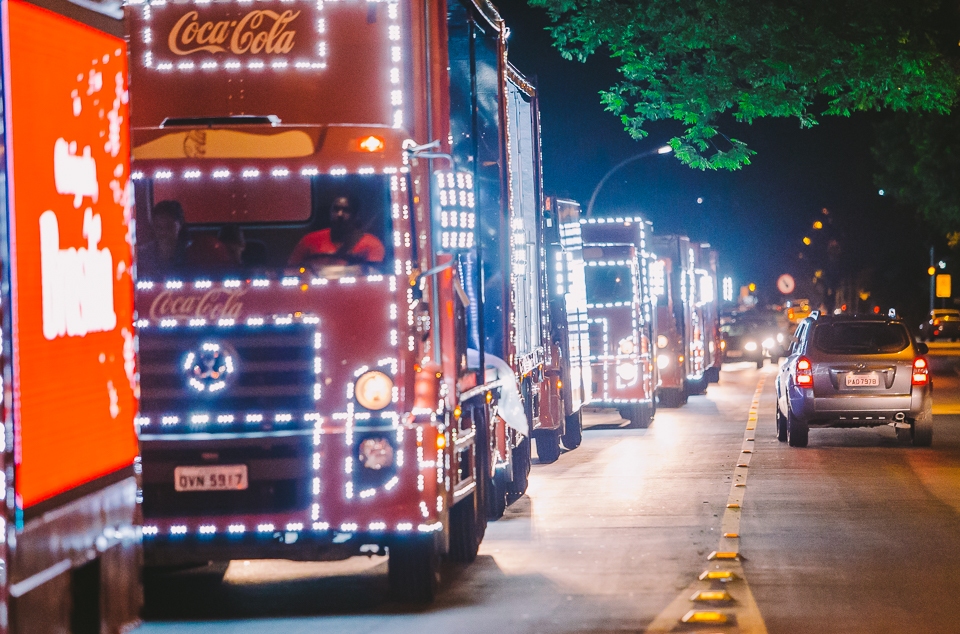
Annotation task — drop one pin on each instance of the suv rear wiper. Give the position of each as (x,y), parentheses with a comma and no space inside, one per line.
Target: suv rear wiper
(240,119)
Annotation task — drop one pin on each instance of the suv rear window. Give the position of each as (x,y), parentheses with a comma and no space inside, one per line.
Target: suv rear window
(858,337)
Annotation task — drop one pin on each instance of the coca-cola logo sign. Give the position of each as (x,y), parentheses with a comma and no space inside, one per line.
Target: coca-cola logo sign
(212,305)
(259,31)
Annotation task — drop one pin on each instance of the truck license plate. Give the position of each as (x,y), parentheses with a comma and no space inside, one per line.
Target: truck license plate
(227,477)
(863,380)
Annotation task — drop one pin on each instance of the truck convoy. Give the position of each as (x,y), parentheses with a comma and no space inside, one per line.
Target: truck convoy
(346,338)
(681,340)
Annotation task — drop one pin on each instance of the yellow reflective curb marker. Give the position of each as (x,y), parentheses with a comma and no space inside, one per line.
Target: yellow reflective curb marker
(733,505)
(704,616)
(723,555)
(717,575)
(731,536)
(711,595)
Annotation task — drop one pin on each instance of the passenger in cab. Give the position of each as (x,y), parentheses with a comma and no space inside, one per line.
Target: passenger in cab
(222,252)
(166,250)
(343,243)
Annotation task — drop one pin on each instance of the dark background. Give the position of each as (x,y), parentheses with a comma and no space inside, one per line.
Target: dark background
(756,217)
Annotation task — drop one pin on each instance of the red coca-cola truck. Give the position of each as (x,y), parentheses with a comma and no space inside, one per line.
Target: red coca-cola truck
(681,340)
(621,315)
(341,314)
(69,545)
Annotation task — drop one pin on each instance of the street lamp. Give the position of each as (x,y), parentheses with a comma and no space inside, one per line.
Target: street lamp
(665,149)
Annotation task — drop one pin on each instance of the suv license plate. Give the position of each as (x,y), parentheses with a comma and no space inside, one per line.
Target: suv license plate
(863,380)
(227,477)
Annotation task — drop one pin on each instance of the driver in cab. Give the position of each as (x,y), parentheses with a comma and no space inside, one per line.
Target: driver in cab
(344,243)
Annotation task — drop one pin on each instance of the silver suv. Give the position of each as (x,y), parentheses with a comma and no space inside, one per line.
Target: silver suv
(851,371)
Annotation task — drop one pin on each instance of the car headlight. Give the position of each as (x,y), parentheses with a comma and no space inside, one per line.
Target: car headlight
(663,361)
(780,337)
(750,346)
(662,341)
(626,346)
(768,343)
(627,371)
(374,390)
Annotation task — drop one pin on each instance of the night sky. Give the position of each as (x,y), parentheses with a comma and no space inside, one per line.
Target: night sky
(755,217)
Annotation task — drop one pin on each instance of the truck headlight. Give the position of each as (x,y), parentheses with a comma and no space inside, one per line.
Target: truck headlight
(663,361)
(662,341)
(768,343)
(374,390)
(750,346)
(626,346)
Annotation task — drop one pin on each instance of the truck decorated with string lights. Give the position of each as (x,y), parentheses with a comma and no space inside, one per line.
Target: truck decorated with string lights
(621,315)
(344,330)
(682,346)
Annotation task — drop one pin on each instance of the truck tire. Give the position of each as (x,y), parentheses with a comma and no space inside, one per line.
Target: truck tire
(548,445)
(572,431)
(671,397)
(412,569)
(497,498)
(760,363)
(522,459)
(468,523)
(639,416)
(797,431)
(712,375)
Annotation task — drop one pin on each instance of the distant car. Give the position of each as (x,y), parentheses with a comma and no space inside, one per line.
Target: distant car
(944,323)
(850,371)
(752,338)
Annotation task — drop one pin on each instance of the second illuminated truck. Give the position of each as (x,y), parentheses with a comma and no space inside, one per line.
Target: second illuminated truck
(345,334)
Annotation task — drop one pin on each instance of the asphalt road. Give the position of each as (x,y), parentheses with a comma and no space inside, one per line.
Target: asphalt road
(854,533)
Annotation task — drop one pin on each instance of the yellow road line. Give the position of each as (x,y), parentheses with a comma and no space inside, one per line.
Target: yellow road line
(723,580)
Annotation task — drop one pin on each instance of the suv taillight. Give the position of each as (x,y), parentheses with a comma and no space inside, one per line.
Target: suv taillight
(921,372)
(804,372)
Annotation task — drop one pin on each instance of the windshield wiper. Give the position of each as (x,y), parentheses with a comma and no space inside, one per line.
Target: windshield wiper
(209,122)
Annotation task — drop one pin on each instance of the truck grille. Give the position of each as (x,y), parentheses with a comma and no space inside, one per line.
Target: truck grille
(274,369)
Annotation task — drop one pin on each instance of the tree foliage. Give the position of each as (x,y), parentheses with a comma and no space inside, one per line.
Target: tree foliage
(919,157)
(694,60)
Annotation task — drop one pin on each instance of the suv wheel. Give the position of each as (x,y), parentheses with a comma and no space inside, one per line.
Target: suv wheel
(781,425)
(797,431)
(922,428)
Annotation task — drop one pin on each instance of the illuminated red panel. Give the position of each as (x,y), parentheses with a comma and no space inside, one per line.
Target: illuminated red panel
(65,105)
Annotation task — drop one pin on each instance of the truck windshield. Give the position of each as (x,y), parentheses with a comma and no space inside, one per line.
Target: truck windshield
(335,225)
(609,284)
(870,337)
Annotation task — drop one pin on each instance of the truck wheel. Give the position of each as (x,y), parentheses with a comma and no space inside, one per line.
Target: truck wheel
(760,363)
(522,459)
(781,426)
(468,524)
(712,375)
(671,398)
(922,427)
(797,431)
(573,431)
(548,445)
(412,569)
(497,498)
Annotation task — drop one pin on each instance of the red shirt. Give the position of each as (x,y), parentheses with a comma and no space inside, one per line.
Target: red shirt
(367,248)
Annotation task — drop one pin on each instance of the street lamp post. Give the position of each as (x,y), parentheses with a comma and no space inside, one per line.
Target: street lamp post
(666,149)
